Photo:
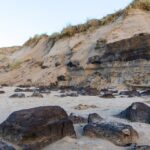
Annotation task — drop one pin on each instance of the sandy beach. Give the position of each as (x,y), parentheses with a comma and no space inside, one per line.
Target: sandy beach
(106,108)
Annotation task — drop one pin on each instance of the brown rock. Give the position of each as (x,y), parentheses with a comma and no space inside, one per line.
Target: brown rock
(37,127)
(118,133)
(137,112)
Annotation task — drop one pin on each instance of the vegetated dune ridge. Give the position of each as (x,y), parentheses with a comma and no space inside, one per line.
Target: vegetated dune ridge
(103,53)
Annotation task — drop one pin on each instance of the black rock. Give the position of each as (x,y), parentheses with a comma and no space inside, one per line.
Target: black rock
(107,95)
(118,133)
(37,127)
(24,90)
(2,92)
(132,93)
(88,91)
(61,78)
(94,60)
(137,112)
(18,95)
(139,147)
(145,93)
(69,94)
(4,146)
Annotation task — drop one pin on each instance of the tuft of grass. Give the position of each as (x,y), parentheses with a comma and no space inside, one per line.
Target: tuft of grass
(34,40)
(90,24)
(140,4)
(71,30)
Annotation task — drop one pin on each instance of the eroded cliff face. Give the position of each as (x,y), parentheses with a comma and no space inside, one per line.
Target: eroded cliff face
(126,61)
(114,55)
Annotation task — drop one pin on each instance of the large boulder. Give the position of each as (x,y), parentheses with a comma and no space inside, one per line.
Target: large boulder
(4,146)
(118,133)
(37,127)
(137,112)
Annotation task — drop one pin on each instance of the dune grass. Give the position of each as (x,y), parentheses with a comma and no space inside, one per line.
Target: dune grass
(140,4)
(71,30)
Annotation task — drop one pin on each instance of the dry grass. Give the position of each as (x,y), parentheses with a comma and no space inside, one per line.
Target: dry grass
(70,30)
(34,40)
(94,23)
(140,4)
(90,24)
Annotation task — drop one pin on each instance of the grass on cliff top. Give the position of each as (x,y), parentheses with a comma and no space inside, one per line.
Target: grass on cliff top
(92,24)
(140,4)
(70,30)
(34,40)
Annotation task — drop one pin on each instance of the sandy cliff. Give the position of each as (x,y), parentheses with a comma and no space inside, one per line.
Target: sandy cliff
(110,52)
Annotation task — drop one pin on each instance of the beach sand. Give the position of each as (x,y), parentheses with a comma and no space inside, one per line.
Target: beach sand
(106,108)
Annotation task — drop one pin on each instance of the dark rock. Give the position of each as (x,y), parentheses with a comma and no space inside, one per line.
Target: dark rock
(37,94)
(4,85)
(24,90)
(137,112)
(73,64)
(18,95)
(69,94)
(19,90)
(94,118)
(77,119)
(44,90)
(25,86)
(2,92)
(125,50)
(88,91)
(118,133)
(44,66)
(132,93)
(139,147)
(145,93)
(61,78)
(94,60)
(37,126)
(112,91)
(4,146)
(107,95)
(57,64)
